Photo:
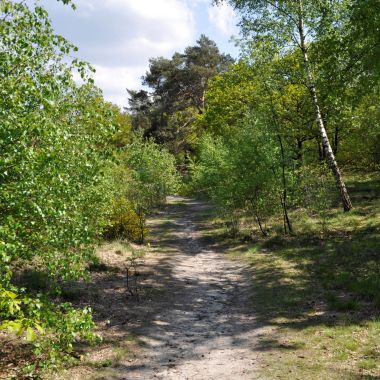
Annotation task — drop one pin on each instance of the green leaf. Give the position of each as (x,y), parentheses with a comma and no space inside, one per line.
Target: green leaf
(30,336)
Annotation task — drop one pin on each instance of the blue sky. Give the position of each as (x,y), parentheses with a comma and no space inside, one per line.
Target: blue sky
(119,36)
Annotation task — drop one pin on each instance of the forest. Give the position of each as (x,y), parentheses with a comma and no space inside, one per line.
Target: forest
(280,147)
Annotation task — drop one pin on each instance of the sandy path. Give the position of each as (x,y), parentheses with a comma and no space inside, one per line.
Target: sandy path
(202,328)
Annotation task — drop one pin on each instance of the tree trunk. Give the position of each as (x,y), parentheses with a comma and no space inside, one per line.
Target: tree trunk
(265,234)
(141,226)
(336,140)
(287,224)
(321,152)
(257,216)
(299,156)
(347,205)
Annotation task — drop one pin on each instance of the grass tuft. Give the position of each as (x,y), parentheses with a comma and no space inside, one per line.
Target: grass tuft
(321,289)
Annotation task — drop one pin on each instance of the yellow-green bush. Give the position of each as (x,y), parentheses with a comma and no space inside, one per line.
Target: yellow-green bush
(125,222)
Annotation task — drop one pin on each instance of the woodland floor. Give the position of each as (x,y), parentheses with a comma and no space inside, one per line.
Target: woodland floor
(193,318)
(213,307)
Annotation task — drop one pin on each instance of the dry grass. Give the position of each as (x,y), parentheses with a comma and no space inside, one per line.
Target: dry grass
(107,294)
(317,294)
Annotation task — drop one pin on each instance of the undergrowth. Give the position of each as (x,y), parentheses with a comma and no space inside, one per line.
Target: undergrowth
(317,293)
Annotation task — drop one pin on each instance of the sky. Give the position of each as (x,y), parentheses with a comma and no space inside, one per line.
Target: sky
(119,36)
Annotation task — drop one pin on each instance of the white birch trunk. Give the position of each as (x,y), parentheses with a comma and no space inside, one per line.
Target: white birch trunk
(347,205)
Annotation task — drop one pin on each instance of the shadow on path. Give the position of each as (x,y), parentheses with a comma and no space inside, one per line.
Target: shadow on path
(200,326)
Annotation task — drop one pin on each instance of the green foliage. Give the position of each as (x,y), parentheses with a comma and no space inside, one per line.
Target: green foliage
(362,145)
(55,142)
(272,90)
(314,191)
(230,97)
(52,328)
(57,170)
(274,79)
(68,325)
(241,172)
(169,112)
(123,136)
(143,177)
(151,174)
(54,145)
(124,222)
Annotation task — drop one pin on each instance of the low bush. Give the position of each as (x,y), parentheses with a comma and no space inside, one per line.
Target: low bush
(124,222)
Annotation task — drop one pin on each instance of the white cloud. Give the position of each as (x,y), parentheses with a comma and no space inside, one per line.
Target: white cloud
(119,36)
(224,18)
(170,10)
(115,80)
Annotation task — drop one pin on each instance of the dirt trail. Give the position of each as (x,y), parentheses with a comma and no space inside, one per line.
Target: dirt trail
(202,326)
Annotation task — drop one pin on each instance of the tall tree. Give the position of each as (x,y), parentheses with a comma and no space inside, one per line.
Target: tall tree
(202,62)
(181,81)
(178,86)
(296,24)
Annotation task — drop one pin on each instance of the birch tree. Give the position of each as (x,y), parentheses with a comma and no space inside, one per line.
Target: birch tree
(289,25)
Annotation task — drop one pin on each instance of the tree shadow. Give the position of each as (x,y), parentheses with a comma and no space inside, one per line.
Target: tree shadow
(222,311)
(178,318)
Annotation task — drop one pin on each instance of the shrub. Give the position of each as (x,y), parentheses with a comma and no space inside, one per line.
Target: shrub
(144,175)
(55,141)
(124,222)
(240,173)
